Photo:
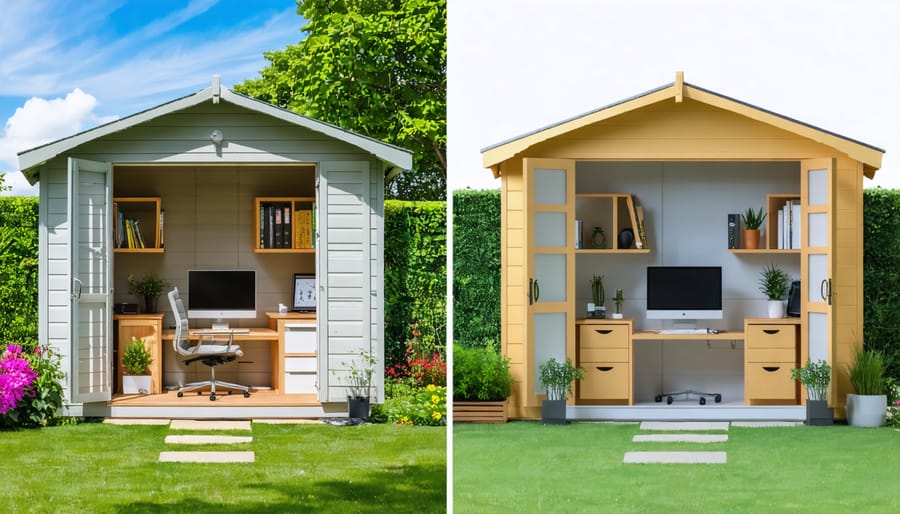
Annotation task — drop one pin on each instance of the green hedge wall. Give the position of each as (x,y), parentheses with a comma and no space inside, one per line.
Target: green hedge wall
(18,270)
(881,272)
(415,275)
(476,268)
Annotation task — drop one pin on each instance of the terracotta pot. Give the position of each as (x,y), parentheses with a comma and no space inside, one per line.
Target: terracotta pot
(751,239)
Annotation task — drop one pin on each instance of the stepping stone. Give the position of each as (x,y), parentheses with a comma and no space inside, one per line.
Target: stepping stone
(207,439)
(289,421)
(680,438)
(135,421)
(203,424)
(213,457)
(675,458)
(760,424)
(684,425)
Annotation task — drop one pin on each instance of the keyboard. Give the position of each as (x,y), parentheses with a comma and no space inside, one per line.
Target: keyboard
(216,331)
(675,331)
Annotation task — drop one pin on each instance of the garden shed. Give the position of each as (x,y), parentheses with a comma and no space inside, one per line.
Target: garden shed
(673,169)
(223,182)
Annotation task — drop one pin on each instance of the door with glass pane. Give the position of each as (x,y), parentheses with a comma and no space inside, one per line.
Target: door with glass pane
(817,192)
(550,226)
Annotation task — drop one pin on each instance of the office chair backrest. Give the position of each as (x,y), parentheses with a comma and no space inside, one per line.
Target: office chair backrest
(180,343)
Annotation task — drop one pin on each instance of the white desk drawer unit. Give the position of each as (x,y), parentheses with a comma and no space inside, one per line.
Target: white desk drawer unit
(300,363)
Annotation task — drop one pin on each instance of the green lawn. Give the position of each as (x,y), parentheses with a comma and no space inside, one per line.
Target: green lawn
(299,468)
(528,467)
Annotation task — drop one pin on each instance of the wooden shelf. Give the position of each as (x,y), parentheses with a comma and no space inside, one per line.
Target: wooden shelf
(273,235)
(612,212)
(145,213)
(764,251)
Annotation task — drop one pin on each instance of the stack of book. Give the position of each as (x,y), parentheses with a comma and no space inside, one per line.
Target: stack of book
(280,226)
(789,225)
(128,232)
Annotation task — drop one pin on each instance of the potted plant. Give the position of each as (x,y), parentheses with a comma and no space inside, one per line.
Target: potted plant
(868,406)
(815,376)
(482,384)
(557,379)
(359,384)
(598,298)
(136,365)
(149,288)
(774,283)
(618,299)
(753,220)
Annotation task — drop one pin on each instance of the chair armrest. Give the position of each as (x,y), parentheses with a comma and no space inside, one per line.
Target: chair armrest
(215,337)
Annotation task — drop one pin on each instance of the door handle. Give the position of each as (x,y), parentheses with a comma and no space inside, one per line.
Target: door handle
(537,291)
(530,291)
(76,289)
(825,290)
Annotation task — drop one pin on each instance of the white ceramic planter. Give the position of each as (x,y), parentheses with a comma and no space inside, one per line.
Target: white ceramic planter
(776,309)
(866,411)
(136,384)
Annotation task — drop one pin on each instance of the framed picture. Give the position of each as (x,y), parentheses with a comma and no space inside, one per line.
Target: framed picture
(304,293)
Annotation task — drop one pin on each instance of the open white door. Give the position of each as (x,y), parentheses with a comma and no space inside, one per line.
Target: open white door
(90,218)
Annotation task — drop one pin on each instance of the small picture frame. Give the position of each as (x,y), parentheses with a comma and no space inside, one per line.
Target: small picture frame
(304,293)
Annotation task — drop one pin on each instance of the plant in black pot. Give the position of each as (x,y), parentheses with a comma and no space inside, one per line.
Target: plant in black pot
(868,406)
(816,376)
(149,287)
(557,379)
(359,384)
(774,283)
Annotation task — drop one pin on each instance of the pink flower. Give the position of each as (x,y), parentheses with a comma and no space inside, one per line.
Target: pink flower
(38,351)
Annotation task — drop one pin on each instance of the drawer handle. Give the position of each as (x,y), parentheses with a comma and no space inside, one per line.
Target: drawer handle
(771,369)
(605,331)
(772,331)
(604,368)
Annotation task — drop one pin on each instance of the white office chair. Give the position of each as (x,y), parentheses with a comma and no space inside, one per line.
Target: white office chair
(212,348)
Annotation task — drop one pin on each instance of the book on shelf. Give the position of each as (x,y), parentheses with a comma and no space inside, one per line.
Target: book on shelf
(789,225)
(303,228)
(162,242)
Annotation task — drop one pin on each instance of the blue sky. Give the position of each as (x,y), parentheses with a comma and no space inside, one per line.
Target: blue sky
(68,66)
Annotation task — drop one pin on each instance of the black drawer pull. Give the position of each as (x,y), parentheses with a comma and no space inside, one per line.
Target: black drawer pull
(604,331)
(771,369)
(604,368)
(771,331)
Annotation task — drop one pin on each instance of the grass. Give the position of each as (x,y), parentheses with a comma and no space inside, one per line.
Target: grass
(530,467)
(299,468)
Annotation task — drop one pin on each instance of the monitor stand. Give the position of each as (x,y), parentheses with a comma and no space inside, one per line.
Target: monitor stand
(684,324)
(220,324)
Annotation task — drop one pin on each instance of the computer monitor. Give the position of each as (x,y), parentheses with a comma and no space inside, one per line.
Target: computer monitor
(684,292)
(221,295)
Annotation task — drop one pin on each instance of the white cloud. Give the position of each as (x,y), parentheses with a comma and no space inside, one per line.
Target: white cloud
(42,120)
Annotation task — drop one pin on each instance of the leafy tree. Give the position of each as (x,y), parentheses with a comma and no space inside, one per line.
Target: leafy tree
(377,67)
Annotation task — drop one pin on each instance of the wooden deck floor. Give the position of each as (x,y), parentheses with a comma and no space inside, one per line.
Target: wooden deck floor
(256,399)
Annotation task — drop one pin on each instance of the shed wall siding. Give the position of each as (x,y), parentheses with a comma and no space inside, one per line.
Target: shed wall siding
(512,287)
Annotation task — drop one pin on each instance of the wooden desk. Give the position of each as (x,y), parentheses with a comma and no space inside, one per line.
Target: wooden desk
(721,336)
(265,335)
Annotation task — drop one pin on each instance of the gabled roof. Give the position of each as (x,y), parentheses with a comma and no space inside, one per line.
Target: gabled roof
(869,155)
(393,155)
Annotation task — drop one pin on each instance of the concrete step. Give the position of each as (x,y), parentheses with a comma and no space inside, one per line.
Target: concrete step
(207,439)
(207,457)
(205,424)
(680,438)
(684,425)
(675,458)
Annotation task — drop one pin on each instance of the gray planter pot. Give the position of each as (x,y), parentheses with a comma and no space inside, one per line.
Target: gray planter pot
(554,412)
(866,411)
(819,413)
(358,407)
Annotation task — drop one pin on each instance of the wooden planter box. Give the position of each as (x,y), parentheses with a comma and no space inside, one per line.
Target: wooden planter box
(480,412)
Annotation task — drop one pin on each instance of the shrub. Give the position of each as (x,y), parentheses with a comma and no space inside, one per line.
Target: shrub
(424,363)
(415,406)
(19,271)
(476,267)
(40,404)
(867,372)
(480,374)
(881,275)
(136,359)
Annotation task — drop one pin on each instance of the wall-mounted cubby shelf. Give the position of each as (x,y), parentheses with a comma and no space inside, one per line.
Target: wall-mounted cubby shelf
(284,225)
(137,225)
(612,212)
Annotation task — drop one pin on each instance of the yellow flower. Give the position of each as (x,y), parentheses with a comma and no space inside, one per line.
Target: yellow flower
(436,415)
(435,398)
(432,387)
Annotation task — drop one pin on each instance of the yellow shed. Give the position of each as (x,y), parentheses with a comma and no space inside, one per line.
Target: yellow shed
(647,193)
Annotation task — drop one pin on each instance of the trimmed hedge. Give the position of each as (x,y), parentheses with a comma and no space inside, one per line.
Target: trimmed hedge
(881,273)
(19,271)
(415,276)
(476,267)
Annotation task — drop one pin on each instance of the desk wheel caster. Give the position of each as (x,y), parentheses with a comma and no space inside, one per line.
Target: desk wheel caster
(212,397)
(669,400)
(658,398)
(702,401)
(246,394)
(718,398)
